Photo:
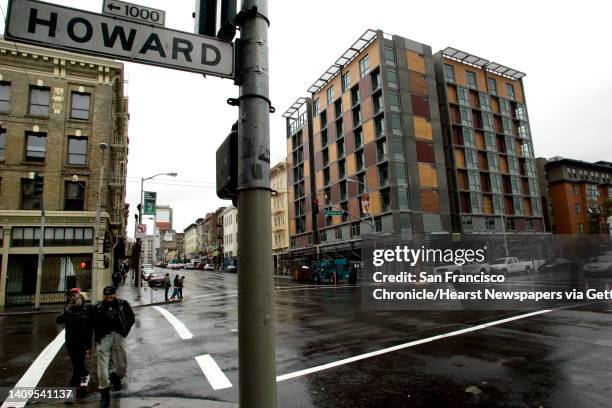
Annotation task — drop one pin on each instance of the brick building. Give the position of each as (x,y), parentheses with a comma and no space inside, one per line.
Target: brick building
(56,109)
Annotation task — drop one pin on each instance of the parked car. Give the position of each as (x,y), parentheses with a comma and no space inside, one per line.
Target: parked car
(475,267)
(511,265)
(599,266)
(155,279)
(230,268)
(209,267)
(558,265)
(189,266)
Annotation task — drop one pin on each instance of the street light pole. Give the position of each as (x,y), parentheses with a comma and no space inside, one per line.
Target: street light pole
(142,180)
(96,246)
(41,255)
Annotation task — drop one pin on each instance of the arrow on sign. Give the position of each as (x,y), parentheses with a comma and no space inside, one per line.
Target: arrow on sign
(111,6)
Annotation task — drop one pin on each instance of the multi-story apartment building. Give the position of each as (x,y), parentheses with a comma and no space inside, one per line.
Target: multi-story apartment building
(230,232)
(191,240)
(147,246)
(490,163)
(63,116)
(396,140)
(575,194)
(367,142)
(280,215)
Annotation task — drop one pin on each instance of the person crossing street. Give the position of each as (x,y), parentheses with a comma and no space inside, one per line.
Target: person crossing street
(113,319)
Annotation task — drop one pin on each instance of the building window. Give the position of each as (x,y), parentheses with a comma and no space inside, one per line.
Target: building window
(322,120)
(521,112)
(377,103)
(339,128)
(492,86)
(364,66)
(77,150)
(355,95)
(383,175)
(385,200)
(356,116)
(463,96)
(471,79)
(487,122)
(340,147)
(39,101)
(389,55)
(339,233)
(338,108)
(381,150)
(518,205)
(510,91)
(496,183)
(581,228)
(323,235)
(378,224)
(375,78)
(476,203)
(2,143)
(379,126)
(449,73)
(317,106)
(504,107)
(490,223)
(474,180)
(575,189)
(510,224)
(394,102)
(74,197)
(485,104)
(80,105)
(36,146)
(466,223)
(359,162)
(491,141)
(577,208)
(471,158)
(29,199)
(5,96)
(396,125)
(466,116)
(330,95)
(468,137)
(355,229)
(358,133)
(391,78)
(343,191)
(529,224)
(346,81)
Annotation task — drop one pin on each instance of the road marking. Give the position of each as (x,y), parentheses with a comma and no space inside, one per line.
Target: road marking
(406,345)
(213,373)
(33,375)
(180,328)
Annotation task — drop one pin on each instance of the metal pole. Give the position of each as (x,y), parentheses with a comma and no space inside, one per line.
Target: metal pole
(137,267)
(96,246)
(505,235)
(256,318)
(41,255)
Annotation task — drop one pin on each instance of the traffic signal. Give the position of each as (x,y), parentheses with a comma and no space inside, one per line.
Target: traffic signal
(106,246)
(206,17)
(227,25)
(85,265)
(38,183)
(315,206)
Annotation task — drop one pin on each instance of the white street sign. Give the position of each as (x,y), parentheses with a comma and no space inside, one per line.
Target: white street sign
(134,12)
(71,29)
(141,230)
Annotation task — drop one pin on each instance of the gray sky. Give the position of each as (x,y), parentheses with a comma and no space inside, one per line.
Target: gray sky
(178,119)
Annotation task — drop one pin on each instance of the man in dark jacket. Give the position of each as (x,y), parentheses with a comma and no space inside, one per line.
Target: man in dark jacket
(113,319)
(79,335)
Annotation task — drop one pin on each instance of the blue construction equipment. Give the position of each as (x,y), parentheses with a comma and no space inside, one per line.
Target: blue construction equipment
(333,270)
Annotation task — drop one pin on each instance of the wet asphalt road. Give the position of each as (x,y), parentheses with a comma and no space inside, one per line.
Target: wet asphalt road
(558,359)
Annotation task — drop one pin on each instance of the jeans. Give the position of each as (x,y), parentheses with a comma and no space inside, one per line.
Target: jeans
(77,358)
(176,293)
(166,289)
(112,346)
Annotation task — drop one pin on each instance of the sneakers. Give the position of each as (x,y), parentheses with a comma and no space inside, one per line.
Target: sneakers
(115,380)
(85,380)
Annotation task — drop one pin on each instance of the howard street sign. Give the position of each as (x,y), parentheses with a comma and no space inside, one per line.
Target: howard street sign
(71,29)
(150,203)
(129,11)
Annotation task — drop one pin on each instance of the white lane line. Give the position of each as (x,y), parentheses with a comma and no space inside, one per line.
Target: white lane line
(33,375)
(406,345)
(213,373)
(180,328)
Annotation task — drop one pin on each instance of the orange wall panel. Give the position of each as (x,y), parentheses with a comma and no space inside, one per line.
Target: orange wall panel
(428,175)
(416,62)
(375,202)
(459,158)
(333,155)
(319,180)
(452,93)
(422,128)
(350,164)
(368,131)
(480,140)
(372,178)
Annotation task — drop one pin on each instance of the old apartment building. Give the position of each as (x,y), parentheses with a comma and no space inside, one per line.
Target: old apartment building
(63,128)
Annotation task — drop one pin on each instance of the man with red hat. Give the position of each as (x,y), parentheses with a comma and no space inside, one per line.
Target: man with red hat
(79,334)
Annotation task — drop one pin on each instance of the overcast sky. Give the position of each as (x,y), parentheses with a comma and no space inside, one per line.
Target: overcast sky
(178,119)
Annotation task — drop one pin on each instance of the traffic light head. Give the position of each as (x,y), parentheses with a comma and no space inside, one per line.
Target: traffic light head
(85,265)
(38,182)
(315,206)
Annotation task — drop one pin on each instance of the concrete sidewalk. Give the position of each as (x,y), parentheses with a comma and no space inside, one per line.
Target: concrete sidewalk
(149,402)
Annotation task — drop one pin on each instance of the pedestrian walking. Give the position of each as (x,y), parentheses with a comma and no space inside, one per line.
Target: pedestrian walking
(116,279)
(181,286)
(113,318)
(176,292)
(76,318)
(167,286)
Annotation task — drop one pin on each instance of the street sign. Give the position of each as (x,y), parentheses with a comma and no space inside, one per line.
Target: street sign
(331,213)
(135,12)
(141,230)
(150,200)
(70,29)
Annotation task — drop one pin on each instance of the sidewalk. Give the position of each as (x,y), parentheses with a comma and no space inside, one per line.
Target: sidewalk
(146,402)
